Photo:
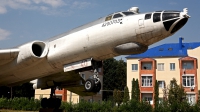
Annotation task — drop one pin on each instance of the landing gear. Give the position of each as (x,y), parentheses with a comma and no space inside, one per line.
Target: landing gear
(93,84)
(52,102)
(89,85)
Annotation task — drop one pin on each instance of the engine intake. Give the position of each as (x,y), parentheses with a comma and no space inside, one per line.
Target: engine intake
(32,51)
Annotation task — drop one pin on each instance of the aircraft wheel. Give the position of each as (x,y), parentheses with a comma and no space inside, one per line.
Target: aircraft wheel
(97,87)
(89,85)
(51,103)
(44,102)
(57,103)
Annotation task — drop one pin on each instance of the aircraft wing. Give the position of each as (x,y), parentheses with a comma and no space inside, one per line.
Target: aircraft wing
(7,55)
(71,80)
(80,90)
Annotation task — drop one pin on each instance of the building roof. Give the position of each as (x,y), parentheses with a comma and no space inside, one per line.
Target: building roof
(168,50)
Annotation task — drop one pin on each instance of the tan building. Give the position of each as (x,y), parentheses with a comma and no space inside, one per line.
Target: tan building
(163,63)
(68,96)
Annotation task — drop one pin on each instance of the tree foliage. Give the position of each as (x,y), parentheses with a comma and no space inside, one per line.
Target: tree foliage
(177,97)
(156,96)
(133,89)
(137,90)
(114,76)
(135,93)
(126,95)
(23,90)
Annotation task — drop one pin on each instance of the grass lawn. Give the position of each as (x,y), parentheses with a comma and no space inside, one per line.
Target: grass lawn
(2,110)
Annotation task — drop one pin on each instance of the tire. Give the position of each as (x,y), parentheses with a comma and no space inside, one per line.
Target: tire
(89,85)
(44,102)
(57,103)
(97,87)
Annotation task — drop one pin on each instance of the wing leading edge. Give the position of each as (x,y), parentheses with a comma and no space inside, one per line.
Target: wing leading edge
(7,55)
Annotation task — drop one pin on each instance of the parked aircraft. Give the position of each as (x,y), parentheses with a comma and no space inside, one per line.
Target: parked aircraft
(59,60)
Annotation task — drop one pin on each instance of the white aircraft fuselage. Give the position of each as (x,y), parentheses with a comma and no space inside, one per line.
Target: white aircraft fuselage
(120,33)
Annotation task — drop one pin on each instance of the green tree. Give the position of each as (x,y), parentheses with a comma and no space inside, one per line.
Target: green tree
(137,90)
(119,97)
(115,96)
(198,101)
(156,97)
(23,90)
(114,76)
(126,95)
(177,98)
(133,89)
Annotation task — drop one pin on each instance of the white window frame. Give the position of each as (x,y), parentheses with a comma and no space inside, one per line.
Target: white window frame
(99,70)
(134,67)
(161,66)
(147,81)
(162,84)
(191,99)
(172,66)
(188,80)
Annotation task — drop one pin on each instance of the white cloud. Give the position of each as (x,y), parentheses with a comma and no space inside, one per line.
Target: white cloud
(53,3)
(80,5)
(2,10)
(4,34)
(49,7)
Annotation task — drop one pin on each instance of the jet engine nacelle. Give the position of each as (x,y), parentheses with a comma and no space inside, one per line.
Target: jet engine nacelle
(31,52)
(130,48)
(43,85)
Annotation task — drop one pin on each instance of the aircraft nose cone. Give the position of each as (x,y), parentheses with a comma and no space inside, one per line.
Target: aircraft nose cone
(179,25)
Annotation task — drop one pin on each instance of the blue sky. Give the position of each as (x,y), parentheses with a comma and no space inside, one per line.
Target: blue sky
(22,21)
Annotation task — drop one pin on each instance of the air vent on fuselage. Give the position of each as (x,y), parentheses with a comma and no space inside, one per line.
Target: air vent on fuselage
(38,48)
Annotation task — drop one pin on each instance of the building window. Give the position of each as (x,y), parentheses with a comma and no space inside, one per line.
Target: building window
(99,70)
(146,65)
(172,66)
(146,81)
(147,97)
(160,66)
(90,100)
(191,99)
(188,81)
(161,84)
(134,67)
(188,64)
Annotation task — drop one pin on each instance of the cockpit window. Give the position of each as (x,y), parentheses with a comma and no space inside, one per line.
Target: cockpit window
(108,18)
(147,16)
(117,15)
(156,17)
(170,15)
(128,13)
